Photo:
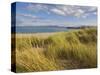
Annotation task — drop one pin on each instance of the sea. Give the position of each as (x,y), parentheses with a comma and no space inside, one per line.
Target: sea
(38,29)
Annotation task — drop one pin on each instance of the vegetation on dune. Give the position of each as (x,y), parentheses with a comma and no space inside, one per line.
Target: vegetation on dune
(66,50)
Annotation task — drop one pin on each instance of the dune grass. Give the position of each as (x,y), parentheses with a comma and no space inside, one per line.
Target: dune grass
(65,50)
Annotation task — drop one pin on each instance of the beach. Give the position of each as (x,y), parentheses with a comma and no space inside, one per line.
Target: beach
(39,35)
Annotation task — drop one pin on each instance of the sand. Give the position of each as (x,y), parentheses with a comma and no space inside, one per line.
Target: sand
(40,35)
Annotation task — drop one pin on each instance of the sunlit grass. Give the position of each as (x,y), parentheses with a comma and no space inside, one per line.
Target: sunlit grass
(65,50)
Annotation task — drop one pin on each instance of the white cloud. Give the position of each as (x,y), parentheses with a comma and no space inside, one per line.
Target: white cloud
(75,11)
(66,9)
(57,11)
(60,10)
(30,20)
(37,7)
(63,10)
(92,9)
(95,13)
(25,19)
(27,15)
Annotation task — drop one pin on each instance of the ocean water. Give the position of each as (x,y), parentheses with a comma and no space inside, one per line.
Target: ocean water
(38,29)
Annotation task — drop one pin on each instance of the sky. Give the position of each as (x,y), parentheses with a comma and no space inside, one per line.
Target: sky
(37,14)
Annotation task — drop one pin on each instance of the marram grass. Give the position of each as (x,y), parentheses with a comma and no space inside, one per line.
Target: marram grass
(65,50)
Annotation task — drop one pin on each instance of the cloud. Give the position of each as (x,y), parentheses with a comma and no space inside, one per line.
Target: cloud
(25,19)
(95,13)
(92,9)
(79,13)
(63,10)
(27,16)
(57,11)
(75,11)
(37,7)
(30,19)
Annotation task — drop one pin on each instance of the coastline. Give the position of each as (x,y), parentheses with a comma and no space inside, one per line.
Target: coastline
(39,35)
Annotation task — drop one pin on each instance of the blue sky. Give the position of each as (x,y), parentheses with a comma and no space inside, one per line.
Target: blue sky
(35,14)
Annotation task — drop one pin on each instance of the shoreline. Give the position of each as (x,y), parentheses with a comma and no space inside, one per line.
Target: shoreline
(39,35)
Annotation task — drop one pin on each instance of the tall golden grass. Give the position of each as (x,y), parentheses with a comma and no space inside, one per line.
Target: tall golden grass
(65,50)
